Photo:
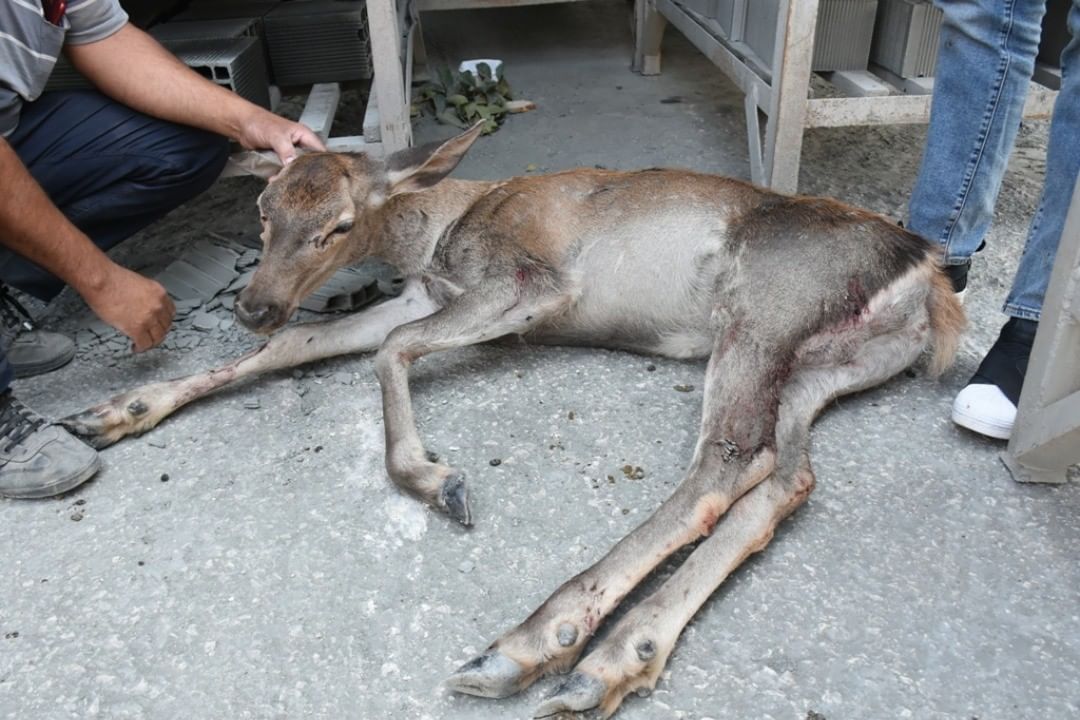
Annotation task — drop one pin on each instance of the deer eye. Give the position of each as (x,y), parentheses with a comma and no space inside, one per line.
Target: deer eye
(344,226)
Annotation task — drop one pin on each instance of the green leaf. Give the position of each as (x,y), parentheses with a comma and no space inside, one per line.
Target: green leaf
(483,111)
(447,117)
(490,126)
(468,79)
(484,71)
(457,100)
(446,77)
(470,111)
(503,87)
(439,101)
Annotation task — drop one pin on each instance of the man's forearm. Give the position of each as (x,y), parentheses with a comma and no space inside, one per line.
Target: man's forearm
(31,226)
(133,69)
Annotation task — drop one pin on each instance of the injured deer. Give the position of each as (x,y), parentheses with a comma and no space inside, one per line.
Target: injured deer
(793,300)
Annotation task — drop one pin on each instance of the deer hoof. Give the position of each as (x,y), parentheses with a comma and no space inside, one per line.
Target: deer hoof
(576,693)
(454,498)
(491,675)
(92,426)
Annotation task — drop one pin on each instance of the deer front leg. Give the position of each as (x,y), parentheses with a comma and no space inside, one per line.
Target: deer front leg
(140,410)
(730,458)
(482,314)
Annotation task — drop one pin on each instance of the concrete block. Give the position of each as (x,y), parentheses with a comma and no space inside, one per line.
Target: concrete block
(319,41)
(906,37)
(841,41)
(235,63)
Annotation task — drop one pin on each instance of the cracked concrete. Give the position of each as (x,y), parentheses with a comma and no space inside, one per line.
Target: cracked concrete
(250,559)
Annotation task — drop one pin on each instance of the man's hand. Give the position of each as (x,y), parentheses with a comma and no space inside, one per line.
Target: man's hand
(136,306)
(267,130)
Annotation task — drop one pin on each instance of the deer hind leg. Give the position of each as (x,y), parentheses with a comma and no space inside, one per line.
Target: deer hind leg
(140,410)
(634,654)
(731,457)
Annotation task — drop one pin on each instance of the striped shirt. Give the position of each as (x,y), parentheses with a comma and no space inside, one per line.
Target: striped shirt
(30,44)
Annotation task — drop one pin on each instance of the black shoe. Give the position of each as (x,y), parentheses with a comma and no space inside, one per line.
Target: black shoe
(30,351)
(988,404)
(39,459)
(958,274)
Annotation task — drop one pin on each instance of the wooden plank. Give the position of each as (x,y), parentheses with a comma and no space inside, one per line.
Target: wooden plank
(1046,436)
(894,109)
(395,128)
(354,143)
(857,83)
(794,50)
(372,129)
(902,109)
(753,132)
(649,25)
(320,108)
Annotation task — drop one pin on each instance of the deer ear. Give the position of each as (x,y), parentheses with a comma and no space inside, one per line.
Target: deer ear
(415,169)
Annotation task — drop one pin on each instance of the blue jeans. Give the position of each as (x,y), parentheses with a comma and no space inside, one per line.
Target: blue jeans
(986,58)
(111,170)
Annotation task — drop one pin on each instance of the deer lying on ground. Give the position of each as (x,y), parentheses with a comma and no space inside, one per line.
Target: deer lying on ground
(794,300)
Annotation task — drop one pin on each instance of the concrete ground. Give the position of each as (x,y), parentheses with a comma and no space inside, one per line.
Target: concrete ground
(255,562)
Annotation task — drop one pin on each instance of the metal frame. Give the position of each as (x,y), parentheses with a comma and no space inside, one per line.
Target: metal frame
(782,94)
(1046,436)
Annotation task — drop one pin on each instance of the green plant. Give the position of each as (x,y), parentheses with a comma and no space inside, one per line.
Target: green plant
(462,99)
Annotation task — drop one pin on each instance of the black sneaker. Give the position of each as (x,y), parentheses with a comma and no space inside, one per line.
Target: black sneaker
(988,404)
(39,459)
(958,275)
(30,351)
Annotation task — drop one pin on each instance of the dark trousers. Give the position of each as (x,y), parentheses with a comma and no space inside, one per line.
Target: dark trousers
(111,170)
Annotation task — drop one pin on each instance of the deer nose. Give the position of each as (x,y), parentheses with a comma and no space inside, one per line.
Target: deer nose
(256,316)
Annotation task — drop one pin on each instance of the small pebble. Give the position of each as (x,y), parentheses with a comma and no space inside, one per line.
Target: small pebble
(650,368)
(80,501)
(164,477)
(77,515)
(141,563)
(684,388)
(570,415)
(252,404)
(11,635)
(156,443)
(495,462)
(466,566)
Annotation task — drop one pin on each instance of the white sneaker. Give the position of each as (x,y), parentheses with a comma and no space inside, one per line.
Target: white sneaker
(984,409)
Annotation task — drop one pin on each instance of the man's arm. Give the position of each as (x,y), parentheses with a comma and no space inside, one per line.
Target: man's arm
(31,226)
(132,68)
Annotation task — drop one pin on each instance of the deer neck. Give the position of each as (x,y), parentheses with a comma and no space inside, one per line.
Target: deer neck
(409,226)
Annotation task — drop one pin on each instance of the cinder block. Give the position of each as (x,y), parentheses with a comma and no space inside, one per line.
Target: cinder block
(319,41)
(219,10)
(906,37)
(206,29)
(842,41)
(235,63)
